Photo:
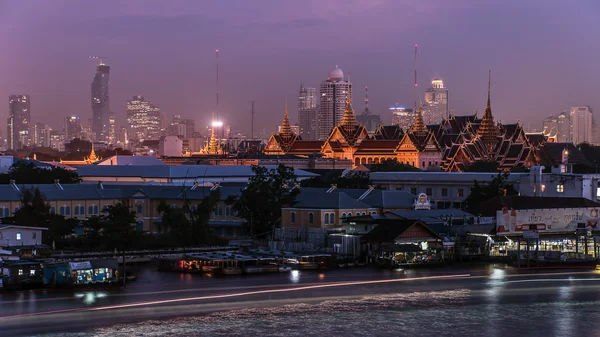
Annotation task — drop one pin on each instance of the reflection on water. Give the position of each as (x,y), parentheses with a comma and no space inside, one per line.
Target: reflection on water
(445,313)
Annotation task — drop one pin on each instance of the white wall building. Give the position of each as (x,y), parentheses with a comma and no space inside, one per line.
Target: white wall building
(13,235)
(170,146)
(581,124)
(333,95)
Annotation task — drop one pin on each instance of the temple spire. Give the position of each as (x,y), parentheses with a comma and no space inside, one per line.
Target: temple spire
(286,129)
(488,107)
(488,130)
(419,127)
(92,156)
(348,119)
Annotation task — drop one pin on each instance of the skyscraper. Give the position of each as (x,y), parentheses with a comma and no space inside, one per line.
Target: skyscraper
(366,118)
(558,127)
(181,127)
(435,107)
(41,135)
(307,113)
(100,103)
(581,124)
(19,120)
(334,92)
(73,127)
(143,118)
(403,117)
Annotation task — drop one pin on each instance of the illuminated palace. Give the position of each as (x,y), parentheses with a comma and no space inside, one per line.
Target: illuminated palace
(453,145)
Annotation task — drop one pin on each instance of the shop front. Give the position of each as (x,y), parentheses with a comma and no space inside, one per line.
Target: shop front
(94,271)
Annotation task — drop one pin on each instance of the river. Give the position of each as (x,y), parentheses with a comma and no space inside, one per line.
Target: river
(490,300)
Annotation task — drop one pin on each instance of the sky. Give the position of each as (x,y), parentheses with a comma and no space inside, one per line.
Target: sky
(543,54)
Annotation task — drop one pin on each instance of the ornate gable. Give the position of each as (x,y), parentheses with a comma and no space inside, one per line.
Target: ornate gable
(282,141)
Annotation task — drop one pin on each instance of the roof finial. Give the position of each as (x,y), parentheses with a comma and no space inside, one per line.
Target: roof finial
(348,118)
(419,127)
(489,87)
(286,129)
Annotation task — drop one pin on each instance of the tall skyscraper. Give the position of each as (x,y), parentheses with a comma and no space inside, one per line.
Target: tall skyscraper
(41,135)
(18,123)
(112,129)
(366,118)
(334,92)
(143,118)
(307,113)
(185,128)
(558,127)
(581,124)
(403,117)
(435,107)
(73,127)
(100,103)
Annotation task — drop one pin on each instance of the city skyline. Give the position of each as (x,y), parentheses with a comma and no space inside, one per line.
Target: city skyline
(536,74)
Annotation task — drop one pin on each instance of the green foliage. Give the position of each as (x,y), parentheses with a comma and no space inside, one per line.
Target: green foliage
(392,165)
(483,166)
(189,225)
(29,174)
(118,226)
(355,179)
(261,201)
(483,192)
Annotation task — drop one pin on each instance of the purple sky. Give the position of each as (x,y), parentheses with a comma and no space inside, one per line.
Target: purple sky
(544,54)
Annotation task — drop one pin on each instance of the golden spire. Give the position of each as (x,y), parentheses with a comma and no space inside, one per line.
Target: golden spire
(488,107)
(92,156)
(286,129)
(488,130)
(348,119)
(419,127)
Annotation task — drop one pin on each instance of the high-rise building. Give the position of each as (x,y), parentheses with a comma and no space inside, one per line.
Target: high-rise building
(143,118)
(403,117)
(41,135)
(307,113)
(185,128)
(57,140)
(334,92)
(558,128)
(73,127)
(19,120)
(581,124)
(112,129)
(100,103)
(366,118)
(435,107)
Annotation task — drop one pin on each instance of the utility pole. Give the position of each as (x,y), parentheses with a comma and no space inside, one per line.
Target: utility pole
(252,126)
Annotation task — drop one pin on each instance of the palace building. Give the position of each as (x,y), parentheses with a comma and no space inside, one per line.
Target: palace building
(453,145)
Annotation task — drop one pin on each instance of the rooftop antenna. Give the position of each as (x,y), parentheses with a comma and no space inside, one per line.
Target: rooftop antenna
(367,111)
(101,58)
(415,75)
(252,126)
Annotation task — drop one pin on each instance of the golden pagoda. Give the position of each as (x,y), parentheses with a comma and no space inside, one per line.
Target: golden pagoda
(282,141)
(212,147)
(488,131)
(92,158)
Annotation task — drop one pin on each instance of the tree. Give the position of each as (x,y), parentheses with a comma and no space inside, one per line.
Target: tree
(261,201)
(483,166)
(29,174)
(481,193)
(392,165)
(34,211)
(119,229)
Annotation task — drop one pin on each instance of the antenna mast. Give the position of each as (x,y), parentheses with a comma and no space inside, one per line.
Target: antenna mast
(252,126)
(415,75)
(367,111)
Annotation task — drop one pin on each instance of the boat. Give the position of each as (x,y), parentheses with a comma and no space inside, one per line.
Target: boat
(269,265)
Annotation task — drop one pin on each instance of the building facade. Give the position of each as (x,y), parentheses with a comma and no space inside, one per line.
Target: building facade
(143,118)
(334,93)
(101,103)
(307,113)
(72,127)
(367,118)
(435,108)
(581,124)
(403,117)
(19,122)
(41,135)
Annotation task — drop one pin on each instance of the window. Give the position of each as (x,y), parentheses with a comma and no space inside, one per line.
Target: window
(444,192)
(33,235)
(220,211)
(423,164)
(62,210)
(6,212)
(20,272)
(96,210)
(327,218)
(139,209)
(332,218)
(68,210)
(460,192)
(32,272)
(357,213)
(293,217)
(81,210)
(543,188)
(343,215)
(413,190)
(560,188)
(311,218)
(18,236)
(428,191)
(364,213)
(76,211)
(216,211)
(90,210)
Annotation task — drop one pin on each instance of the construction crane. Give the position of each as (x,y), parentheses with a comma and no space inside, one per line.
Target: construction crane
(101,58)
